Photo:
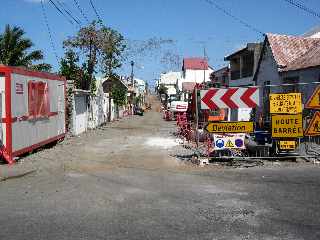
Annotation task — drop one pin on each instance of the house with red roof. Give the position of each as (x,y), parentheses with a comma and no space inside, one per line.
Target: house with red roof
(288,64)
(196,70)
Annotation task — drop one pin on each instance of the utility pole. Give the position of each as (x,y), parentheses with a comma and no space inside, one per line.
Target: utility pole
(204,65)
(132,80)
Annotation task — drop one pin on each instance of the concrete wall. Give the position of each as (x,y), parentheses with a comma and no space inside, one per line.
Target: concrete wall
(197,76)
(80,114)
(305,76)
(267,74)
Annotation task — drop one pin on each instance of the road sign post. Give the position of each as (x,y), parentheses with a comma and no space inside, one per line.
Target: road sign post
(197,118)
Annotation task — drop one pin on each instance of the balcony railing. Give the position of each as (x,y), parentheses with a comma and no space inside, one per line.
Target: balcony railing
(247,72)
(235,75)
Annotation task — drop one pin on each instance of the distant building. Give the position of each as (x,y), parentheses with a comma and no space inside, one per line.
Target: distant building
(141,89)
(221,77)
(171,81)
(196,70)
(287,60)
(243,65)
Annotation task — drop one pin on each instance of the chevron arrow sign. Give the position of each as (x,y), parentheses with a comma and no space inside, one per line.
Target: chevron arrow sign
(216,98)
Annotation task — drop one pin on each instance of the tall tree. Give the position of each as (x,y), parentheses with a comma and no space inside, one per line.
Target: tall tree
(15,50)
(113,47)
(70,69)
(86,42)
(100,45)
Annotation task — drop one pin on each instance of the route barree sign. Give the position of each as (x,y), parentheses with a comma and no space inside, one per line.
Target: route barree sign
(287,126)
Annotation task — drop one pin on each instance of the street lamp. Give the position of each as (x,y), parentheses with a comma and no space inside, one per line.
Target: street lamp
(132,64)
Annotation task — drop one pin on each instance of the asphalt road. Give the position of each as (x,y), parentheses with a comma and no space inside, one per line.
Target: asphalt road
(119,182)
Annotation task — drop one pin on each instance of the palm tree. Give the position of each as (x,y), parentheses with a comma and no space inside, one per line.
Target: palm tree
(14,50)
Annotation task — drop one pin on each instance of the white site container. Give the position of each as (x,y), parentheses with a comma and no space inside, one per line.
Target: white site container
(32,110)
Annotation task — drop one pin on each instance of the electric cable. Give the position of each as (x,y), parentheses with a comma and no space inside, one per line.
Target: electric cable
(304,8)
(49,32)
(60,11)
(226,12)
(68,12)
(81,11)
(95,11)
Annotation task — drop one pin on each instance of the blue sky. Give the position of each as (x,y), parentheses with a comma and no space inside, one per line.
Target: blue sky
(191,23)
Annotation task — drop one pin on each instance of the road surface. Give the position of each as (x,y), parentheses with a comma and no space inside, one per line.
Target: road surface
(122,181)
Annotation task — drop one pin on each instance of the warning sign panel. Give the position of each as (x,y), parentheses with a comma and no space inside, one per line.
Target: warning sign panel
(287,145)
(314,101)
(229,141)
(289,103)
(287,126)
(230,127)
(314,126)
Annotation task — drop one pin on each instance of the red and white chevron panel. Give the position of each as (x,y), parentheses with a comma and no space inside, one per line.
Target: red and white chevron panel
(216,98)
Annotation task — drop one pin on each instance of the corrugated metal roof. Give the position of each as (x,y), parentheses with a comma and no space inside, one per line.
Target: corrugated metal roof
(292,53)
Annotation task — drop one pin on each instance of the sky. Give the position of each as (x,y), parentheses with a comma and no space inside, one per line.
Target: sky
(192,24)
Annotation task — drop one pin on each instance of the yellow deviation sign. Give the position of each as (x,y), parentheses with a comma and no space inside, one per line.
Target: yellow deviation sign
(230,127)
(289,103)
(314,100)
(287,126)
(314,126)
(287,145)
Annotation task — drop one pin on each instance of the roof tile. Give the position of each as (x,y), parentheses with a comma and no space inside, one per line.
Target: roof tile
(291,52)
(195,63)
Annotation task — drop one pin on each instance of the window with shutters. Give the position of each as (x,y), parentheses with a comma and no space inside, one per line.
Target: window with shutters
(38,100)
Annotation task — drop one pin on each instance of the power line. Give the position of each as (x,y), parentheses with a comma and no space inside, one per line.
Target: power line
(60,11)
(304,8)
(95,11)
(49,32)
(69,9)
(226,12)
(81,11)
(75,19)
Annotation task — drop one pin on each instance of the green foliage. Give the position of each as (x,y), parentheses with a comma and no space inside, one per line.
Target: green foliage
(15,50)
(118,91)
(162,89)
(93,87)
(100,45)
(112,50)
(69,65)
(137,100)
(41,67)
